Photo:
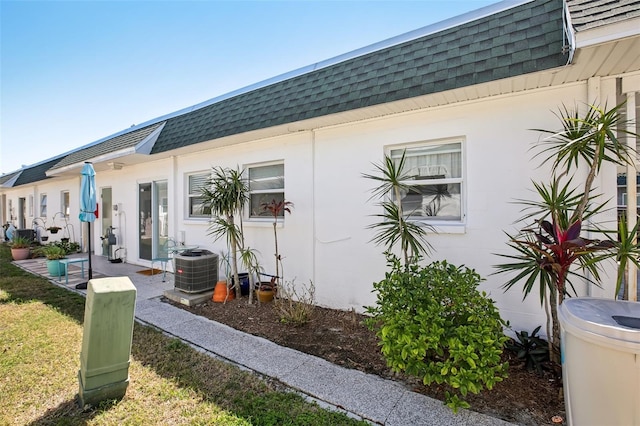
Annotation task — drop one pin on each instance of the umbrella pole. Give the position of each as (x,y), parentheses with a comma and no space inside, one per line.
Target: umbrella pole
(83,286)
(89,236)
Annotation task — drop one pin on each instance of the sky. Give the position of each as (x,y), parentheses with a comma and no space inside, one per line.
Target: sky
(74,72)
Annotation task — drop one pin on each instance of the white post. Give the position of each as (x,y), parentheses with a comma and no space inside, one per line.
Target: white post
(632,197)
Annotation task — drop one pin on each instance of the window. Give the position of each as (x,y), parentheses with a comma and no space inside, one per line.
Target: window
(196,205)
(266,183)
(30,205)
(65,204)
(43,205)
(436,180)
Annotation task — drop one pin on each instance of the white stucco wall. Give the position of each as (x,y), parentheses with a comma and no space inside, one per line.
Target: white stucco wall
(325,239)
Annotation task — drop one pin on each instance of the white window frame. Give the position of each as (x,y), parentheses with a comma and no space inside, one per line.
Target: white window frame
(30,205)
(263,217)
(624,198)
(190,196)
(43,205)
(65,204)
(441,225)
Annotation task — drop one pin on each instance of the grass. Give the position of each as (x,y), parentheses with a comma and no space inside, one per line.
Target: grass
(170,383)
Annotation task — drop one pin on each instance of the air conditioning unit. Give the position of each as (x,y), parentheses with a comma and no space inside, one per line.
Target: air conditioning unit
(196,271)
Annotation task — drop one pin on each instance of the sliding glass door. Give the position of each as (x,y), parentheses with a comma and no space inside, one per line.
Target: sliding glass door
(153,218)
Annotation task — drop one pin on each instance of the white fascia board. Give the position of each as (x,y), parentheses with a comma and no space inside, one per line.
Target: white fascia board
(114,155)
(608,33)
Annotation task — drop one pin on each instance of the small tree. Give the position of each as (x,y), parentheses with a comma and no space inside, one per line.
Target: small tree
(225,194)
(395,227)
(548,250)
(277,209)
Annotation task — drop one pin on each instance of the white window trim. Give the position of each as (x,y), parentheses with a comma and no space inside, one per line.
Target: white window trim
(267,220)
(187,199)
(62,204)
(43,203)
(443,226)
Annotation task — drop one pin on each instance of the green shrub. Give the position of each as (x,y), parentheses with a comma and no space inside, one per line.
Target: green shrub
(434,324)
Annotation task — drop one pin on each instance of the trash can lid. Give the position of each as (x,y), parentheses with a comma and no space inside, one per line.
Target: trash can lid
(613,319)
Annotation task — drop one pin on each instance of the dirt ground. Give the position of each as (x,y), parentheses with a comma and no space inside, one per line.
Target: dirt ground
(340,337)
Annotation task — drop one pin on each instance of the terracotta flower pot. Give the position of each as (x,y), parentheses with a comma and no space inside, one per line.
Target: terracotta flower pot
(220,292)
(20,253)
(265,294)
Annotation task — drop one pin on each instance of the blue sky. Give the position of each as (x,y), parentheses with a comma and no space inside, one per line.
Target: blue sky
(73,72)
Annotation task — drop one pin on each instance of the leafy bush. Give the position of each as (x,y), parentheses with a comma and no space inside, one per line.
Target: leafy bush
(434,324)
(531,348)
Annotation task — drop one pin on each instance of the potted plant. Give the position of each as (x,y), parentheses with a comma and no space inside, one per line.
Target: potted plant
(225,194)
(277,209)
(250,261)
(20,248)
(54,254)
(54,229)
(221,292)
(266,290)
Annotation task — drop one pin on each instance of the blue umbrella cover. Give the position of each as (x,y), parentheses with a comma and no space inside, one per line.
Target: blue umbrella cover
(87,206)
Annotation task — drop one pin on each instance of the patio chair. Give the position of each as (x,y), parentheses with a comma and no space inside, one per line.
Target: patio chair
(165,255)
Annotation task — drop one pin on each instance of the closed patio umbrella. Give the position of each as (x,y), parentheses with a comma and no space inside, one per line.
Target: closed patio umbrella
(87,207)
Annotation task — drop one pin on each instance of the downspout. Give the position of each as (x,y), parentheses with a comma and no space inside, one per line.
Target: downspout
(313,205)
(569,35)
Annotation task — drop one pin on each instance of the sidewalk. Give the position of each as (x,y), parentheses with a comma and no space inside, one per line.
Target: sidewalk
(362,396)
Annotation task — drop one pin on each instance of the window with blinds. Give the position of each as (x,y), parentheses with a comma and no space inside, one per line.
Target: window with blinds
(195,202)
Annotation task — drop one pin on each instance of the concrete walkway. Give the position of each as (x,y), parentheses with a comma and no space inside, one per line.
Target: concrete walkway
(360,395)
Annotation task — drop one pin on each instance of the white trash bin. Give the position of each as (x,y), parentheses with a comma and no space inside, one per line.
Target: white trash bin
(601,361)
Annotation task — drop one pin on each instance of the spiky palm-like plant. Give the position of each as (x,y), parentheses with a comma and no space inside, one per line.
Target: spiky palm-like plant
(395,227)
(226,193)
(547,251)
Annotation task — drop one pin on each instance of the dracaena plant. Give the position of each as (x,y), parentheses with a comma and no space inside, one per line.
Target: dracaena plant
(553,251)
(225,195)
(394,226)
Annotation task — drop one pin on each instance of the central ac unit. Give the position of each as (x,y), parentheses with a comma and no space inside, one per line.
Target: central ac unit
(196,271)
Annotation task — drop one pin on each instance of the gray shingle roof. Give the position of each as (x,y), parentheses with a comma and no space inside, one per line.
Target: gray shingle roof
(517,41)
(36,173)
(5,178)
(587,14)
(512,42)
(123,141)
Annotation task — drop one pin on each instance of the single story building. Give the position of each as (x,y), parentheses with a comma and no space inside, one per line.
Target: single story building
(460,96)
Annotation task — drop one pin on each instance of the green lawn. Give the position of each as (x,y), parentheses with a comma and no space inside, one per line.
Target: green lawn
(170,383)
